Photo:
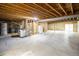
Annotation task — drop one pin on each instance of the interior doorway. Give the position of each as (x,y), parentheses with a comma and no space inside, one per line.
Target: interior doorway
(68,27)
(40,29)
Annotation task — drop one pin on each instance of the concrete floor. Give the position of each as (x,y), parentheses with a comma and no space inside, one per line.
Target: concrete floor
(47,44)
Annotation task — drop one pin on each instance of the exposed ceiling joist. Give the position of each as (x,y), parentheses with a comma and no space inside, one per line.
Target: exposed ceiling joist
(40,10)
(71,8)
(53,9)
(62,8)
(30,11)
(37,10)
(18,10)
(45,9)
(6,7)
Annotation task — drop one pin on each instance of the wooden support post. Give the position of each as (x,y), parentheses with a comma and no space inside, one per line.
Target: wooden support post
(45,26)
(35,27)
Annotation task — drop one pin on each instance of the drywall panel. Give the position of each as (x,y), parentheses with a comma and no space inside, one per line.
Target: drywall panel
(60,26)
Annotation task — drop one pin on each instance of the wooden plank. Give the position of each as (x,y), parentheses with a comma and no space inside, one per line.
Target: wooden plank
(53,9)
(62,8)
(71,8)
(45,9)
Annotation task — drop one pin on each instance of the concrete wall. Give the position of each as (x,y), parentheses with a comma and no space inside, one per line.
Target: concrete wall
(61,25)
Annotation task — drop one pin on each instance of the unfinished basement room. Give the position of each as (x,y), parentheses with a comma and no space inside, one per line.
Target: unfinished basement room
(39,29)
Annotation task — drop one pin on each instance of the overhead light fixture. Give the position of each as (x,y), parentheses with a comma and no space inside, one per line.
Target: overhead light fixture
(35,19)
(28,17)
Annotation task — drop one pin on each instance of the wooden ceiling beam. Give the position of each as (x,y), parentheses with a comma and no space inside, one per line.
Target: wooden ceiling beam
(2,13)
(53,9)
(27,10)
(45,10)
(62,8)
(59,18)
(15,10)
(39,11)
(22,10)
(71,8)
(5,7)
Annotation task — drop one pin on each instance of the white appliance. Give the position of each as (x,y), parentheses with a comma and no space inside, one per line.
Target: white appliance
(22,33)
